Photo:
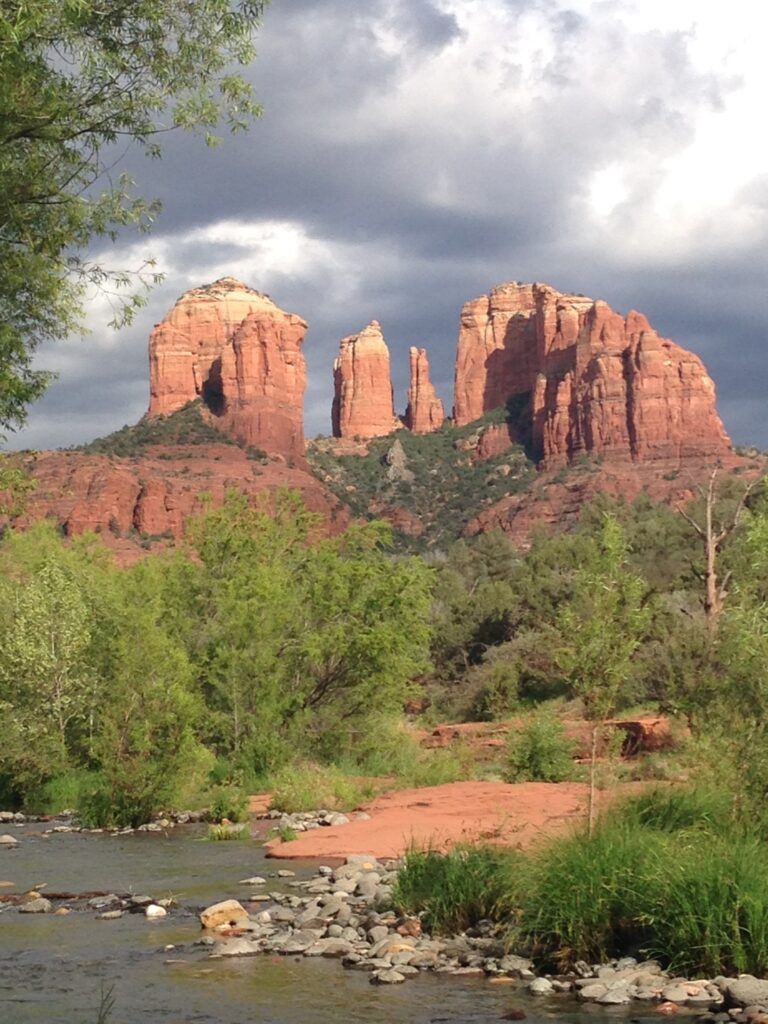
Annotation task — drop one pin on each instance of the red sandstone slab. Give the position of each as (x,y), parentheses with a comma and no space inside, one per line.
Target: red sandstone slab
(441,816)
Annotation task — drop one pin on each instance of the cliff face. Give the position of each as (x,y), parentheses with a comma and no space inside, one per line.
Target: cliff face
(425,411)
(363,405)
(143,502)
(586,379)
(239,352)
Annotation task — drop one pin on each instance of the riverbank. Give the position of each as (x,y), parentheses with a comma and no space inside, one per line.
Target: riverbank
(344,914)
(515,815)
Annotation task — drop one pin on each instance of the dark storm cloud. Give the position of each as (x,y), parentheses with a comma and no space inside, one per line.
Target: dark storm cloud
(426,192)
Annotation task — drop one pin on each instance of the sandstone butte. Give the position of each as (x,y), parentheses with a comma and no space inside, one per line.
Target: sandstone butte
(424,412)
(241,354)
(580,379)
(363,403)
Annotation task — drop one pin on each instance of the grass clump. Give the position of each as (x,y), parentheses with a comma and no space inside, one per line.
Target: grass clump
(226,833)
(285,833)
(669,874)
(677,808)
(586,900)
(539,751)
(453,891)
(307,786)
(710,912)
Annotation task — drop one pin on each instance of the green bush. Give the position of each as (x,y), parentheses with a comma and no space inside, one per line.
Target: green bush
(455,890)
(228,801)
(539,751)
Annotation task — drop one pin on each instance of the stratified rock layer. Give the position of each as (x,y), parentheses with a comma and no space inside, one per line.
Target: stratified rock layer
(143,502)
(582,379)
(363,405)
(234,348)
(425,412)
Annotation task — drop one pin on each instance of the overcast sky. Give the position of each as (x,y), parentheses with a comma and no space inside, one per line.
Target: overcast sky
(414,153)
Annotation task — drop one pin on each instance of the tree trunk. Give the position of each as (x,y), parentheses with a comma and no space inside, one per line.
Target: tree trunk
(592,786)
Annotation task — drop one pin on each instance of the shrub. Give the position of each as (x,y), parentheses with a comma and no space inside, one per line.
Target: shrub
(455,890)
(228,801)
(539,751)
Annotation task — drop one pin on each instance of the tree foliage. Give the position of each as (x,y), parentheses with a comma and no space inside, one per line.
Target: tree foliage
(80,80)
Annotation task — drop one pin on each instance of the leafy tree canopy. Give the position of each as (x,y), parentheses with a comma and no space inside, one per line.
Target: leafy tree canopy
(80,80)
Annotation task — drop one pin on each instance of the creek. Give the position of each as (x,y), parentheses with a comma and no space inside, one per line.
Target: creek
(53,968)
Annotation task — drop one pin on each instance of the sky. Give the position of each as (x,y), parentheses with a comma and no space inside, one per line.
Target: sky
(412,154)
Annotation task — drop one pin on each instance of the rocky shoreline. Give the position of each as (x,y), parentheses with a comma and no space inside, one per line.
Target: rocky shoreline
(339,914)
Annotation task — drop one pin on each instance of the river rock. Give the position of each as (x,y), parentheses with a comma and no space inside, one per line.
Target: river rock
(747,990)
(387,977)
(7,840)
(227,914)
(237,947)
(299,942)
(110,915)
(39,905)
(256,880)
(541,987)
(592,991)
(155,911)
(103,902)
(331,948)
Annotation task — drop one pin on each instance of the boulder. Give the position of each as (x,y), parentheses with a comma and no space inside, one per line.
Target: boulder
(746,990)
(227,914)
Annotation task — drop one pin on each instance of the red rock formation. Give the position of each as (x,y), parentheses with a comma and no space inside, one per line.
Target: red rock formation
(145,501)
(556,500)
(363,405)
(425,412)
(587,380)
(234,348)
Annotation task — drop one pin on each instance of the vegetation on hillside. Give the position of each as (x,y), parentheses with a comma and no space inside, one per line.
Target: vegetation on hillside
(186,426)
(435,480)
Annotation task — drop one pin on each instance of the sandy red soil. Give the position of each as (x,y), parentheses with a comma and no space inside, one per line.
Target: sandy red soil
(514,815)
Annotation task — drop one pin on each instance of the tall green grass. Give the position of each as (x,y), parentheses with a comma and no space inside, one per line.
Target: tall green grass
(675,809)
(307,786)
(669,874)
(453,891)
(709,912)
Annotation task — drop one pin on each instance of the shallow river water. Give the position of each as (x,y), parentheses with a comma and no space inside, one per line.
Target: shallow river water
(53,968)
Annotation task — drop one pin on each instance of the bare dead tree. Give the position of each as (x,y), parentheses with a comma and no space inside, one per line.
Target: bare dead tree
(714,537)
